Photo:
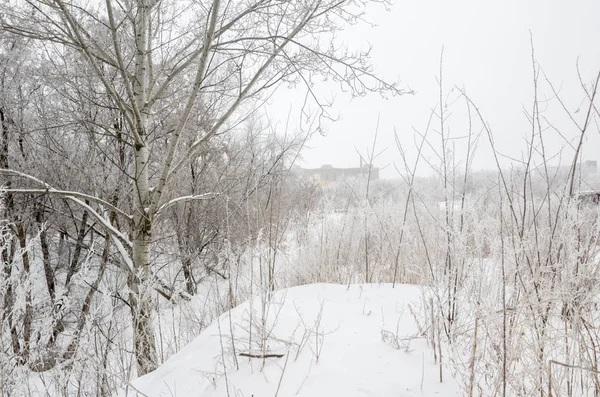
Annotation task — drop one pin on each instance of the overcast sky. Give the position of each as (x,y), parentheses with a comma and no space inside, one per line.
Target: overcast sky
(487,51)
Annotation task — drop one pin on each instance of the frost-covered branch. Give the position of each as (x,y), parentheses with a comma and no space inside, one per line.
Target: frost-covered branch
(195,148)
(120,239)
(200,75)
(183,199)
(65,193)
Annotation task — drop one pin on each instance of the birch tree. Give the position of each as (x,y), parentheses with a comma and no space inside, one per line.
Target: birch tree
(163,64)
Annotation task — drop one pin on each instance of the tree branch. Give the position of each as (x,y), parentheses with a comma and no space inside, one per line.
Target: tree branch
(243,94)
(63,193)
(200,73)
(169,204)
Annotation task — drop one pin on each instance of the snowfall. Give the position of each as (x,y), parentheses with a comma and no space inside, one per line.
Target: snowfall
(308,341)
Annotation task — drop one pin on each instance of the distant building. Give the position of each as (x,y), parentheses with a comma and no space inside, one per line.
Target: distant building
(586,175)
(588,197)
(589,167)
(327,174)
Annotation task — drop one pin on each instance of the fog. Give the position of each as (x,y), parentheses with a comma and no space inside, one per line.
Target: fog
(486,48)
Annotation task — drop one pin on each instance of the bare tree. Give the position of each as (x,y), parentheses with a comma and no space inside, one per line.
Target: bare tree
(156,63)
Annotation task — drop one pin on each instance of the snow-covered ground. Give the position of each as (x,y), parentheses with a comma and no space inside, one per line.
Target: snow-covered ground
(325,340)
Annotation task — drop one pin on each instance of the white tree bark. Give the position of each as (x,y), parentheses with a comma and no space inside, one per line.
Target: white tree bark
(140,295)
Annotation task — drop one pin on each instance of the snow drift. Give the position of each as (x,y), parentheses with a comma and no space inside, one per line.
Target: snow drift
(309,341)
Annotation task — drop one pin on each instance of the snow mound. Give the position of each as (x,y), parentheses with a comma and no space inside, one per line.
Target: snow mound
(309,341)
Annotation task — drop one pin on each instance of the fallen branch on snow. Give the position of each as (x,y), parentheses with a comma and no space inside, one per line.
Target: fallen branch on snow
(250,355)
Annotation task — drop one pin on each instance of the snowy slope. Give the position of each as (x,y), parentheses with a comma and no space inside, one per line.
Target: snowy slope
(334,340)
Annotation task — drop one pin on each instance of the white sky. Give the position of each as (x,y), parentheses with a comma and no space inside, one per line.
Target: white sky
(487,50)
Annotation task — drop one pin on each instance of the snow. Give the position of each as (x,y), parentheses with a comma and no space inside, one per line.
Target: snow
(335,340)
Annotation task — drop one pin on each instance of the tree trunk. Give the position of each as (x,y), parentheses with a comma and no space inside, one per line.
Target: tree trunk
(186,260)
(74,265)
(190,285)
(48,271)
(141,302)
(8,301)
(8,248)
(184,241)
(27,316)
(139,282)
